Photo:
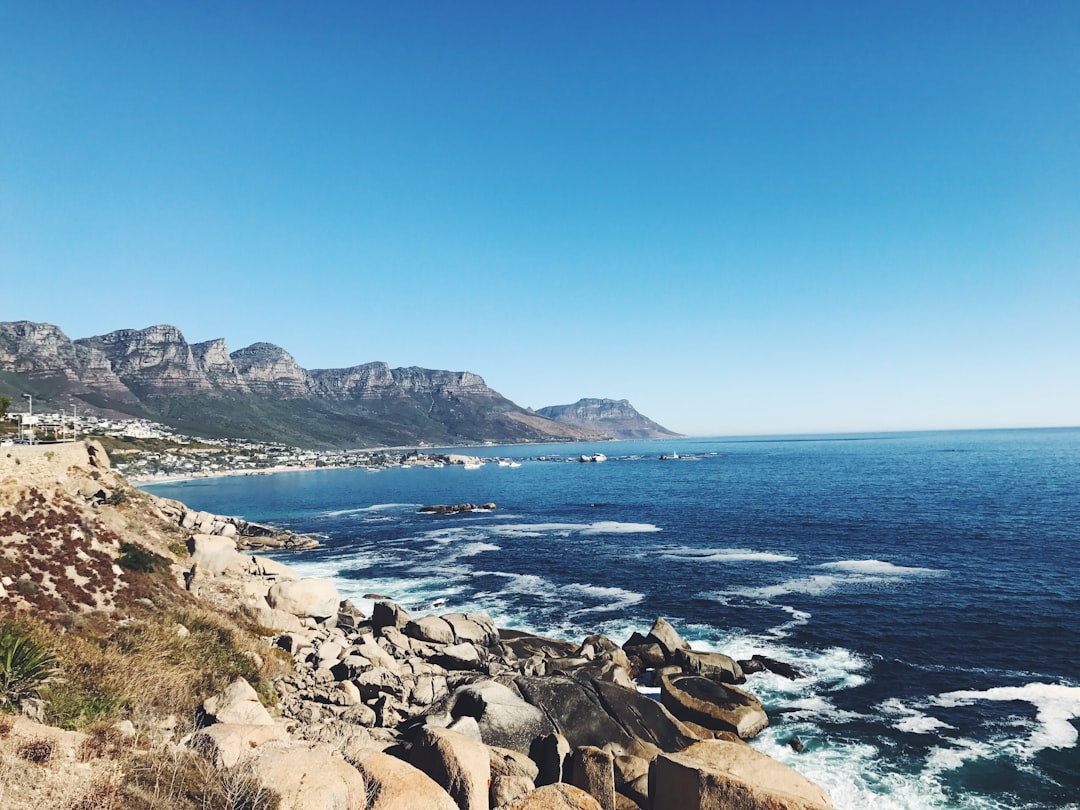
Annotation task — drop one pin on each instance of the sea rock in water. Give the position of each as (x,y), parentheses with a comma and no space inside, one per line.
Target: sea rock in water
(713,705)
(779,667)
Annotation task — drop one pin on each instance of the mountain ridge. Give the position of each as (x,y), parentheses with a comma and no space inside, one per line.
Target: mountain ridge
(260,392)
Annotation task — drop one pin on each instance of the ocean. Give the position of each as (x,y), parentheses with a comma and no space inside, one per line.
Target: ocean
(926,583)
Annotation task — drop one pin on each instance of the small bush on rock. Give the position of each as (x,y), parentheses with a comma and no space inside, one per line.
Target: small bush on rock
(38,749)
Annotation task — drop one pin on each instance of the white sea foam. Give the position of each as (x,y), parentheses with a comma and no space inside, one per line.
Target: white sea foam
(879,568)
(849,573)
(814,585)
(1055,706)
(910,719)
(566,529)
(732,555)
(378,507)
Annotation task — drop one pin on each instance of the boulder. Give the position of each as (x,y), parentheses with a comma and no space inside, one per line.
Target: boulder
(476,628)
(632,778)
(389,614)
(214,555)
(507,762)
(506,789)
(226,744)
(317,598)
(309,777)
(713,705)
(722,774)
(649,653)
(606,715)
(397,785)
(238,703)
(555,797)
(458,656)
(430,628)
(526,645)
(716,666)
(788,671)
(460,764)
(551,753)
(277,620)
(505,719)
(667,637)
(592,770)
(375,654)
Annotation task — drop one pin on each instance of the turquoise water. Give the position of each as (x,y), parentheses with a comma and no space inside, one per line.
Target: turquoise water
(925,582)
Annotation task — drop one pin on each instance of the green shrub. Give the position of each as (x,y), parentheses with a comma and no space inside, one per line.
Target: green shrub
(136,558)
(24,666)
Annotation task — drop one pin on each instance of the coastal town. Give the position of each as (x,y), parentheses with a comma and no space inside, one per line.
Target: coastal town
(147,451)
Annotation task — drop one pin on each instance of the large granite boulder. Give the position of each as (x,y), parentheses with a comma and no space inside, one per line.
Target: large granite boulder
(214,555)
(730,775)
(605,715)
(431,629)
(715,666)
(592,769)
(713,705)
(555,797)
(505,719)
(227,744)
(317,598)
(460,764)
(237,703)
(309,777)
(396,785)
(667,637)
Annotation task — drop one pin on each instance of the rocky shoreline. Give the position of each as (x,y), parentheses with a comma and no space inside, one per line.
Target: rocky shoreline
(454,712)
(383,712)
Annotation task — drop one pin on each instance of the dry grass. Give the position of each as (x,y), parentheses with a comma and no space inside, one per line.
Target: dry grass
(147,669)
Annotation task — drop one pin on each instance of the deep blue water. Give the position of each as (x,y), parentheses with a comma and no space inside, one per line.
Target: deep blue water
(927,583)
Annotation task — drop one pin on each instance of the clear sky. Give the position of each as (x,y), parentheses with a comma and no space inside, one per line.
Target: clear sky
(743,217)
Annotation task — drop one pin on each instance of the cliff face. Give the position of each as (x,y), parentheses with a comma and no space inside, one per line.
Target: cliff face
(260,392)
(610,417)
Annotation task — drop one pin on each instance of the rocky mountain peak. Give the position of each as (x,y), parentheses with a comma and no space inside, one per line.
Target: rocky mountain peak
(26,346)
(616,418)
(267,368)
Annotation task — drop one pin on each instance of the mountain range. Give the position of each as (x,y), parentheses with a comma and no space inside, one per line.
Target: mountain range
(261,393)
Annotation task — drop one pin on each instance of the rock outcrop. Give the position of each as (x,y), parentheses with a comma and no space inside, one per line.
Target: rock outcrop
(614,418)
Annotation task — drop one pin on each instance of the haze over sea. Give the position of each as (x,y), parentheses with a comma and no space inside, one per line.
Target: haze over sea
(925,582)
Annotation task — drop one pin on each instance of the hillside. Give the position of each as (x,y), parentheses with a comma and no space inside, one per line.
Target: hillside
(616,419)
(260,392)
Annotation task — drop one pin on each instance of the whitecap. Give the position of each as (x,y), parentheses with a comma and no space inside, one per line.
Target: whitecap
(910,719)
(1056,705)
(599,527)
(879,568)
(378,507)
(724,555)
(814,585)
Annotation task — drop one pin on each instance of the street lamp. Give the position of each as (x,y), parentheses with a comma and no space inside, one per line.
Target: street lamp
(29,434)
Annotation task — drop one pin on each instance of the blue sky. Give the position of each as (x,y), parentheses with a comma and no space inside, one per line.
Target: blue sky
(743,217)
